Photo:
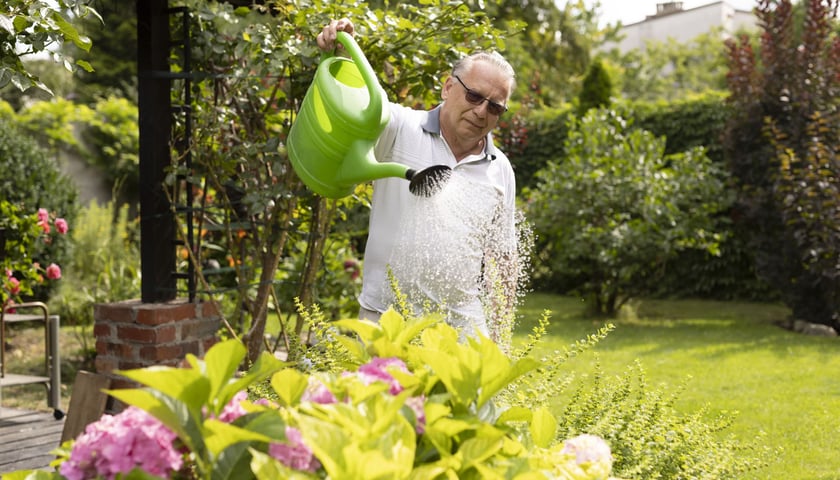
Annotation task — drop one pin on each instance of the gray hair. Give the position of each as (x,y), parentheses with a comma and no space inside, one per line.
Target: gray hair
(493,58)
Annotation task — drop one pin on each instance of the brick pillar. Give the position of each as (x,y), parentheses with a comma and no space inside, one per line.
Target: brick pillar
(133,334)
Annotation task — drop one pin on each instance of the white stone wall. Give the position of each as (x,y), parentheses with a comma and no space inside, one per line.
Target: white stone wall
(684,25)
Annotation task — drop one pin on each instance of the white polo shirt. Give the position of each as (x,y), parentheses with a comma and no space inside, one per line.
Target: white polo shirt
(436,246)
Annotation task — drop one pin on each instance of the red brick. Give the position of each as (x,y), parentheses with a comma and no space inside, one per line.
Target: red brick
(101,329)
(158,314)
(146,335)
(129,365)
(207,310)
(122,351)
(160,353)
(121,312)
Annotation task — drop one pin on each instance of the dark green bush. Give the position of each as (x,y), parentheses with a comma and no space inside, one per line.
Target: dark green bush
(31,178)
(596,91)
(700,121)
(685,124)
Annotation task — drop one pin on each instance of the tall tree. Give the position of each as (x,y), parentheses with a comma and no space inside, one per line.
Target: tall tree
(114,51)
(781,145)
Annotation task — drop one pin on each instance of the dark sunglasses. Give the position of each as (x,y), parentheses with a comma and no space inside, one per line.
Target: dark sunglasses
(476,98)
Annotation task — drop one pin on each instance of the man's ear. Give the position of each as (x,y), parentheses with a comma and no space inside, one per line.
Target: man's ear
(447,86)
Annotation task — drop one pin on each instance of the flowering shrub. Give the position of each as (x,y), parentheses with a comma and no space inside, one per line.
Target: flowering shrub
(23,242)
(117,444)
(411,402)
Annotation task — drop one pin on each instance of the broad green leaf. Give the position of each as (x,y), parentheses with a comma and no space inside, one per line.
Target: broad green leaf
(543,427)
(366,330)
(220,435)
(221,363)
(289,384)
(185,385)
(21,23)
(354,347)
(232,462)
(70,32)
(478,450)
(516,414)
(392,323)
(506,377)
(265,366)
(327,442)
(457,366)
(265,467)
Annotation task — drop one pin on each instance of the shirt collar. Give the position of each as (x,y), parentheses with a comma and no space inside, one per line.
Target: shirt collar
(432,125)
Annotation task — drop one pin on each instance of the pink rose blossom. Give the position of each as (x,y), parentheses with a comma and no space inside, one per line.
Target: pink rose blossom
(53,272)
(117,444)
(294,454)
(14,285)
(61,225)
(44,220)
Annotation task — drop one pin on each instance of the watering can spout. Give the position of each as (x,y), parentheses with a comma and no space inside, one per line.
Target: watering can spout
(360,166)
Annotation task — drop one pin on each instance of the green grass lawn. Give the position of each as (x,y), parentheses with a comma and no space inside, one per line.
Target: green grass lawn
(730,356)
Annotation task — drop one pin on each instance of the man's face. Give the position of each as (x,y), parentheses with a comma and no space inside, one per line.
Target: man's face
(467,121)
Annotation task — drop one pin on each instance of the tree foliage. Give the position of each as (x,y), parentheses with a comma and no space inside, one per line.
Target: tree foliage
(113,51)
(669,70)
(597,89)
(29,27)
(259,62)
(781,145)
(616,208)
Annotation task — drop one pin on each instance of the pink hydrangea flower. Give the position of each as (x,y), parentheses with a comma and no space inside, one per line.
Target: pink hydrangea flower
(61,225)
(233,409)
(317,392)
(294,454)
(376,371)
(416,406)
(53,272)
(119,443)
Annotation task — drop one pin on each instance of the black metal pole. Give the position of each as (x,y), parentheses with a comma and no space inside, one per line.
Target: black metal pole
(157,222)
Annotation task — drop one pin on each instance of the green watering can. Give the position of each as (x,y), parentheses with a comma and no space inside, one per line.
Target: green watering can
(344,111)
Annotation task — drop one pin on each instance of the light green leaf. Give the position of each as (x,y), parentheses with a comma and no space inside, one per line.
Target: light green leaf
(185,385)
(221,435)
(70,32)
(85,65)
(516,414)
(267,468)
(543,427)
(289,385)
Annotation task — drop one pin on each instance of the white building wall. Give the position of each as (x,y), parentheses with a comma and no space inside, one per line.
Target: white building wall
(685,25)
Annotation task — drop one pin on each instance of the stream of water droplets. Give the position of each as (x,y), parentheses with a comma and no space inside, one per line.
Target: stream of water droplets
(440,255)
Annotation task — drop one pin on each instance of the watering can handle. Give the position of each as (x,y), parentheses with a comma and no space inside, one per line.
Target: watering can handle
(368,75)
